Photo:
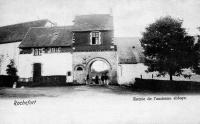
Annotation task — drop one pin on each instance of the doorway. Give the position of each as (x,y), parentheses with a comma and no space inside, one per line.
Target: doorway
(37,68)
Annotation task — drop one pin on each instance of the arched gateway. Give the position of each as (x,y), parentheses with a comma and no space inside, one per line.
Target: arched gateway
(95,67)
(97,70)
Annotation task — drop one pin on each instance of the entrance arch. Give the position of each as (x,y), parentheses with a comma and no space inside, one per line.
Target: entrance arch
(96,68)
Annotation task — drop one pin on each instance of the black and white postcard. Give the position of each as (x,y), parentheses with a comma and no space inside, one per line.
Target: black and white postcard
(99,61)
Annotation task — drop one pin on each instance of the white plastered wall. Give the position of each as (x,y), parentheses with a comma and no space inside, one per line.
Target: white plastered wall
(128,72)
(52,64)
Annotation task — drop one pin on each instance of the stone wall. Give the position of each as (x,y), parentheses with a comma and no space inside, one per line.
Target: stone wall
(85,58)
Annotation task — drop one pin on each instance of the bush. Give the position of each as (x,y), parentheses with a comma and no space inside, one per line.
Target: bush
(11,70)
(7,81)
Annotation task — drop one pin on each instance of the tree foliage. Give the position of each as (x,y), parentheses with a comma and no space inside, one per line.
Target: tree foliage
(196,62)
(11,70)
(167,47)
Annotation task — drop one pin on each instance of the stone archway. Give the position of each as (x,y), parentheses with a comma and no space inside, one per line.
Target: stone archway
(98,67)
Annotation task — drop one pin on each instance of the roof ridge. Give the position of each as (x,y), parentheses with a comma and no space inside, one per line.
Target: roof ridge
(23,23)
(93,14)
(42,27)
(129,37)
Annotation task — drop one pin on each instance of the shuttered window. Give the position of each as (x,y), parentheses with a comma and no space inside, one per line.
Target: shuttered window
(95,38)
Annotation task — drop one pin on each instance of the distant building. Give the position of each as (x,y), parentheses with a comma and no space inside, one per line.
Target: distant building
(130,59)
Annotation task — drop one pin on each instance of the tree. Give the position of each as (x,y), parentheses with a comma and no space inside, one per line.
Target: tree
(11,70)
(168,49)
(196,62)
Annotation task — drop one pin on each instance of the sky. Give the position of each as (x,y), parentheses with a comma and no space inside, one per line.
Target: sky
(130,16)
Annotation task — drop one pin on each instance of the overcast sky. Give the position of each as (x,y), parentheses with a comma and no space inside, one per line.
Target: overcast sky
(130,16)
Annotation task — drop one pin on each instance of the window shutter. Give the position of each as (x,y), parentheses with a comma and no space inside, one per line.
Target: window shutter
(90,38)
(99,37)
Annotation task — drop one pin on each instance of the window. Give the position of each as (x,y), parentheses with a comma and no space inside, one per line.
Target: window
(37,52)
(54,50)
(73,38)
(79,68)
(95,38)
(69,73)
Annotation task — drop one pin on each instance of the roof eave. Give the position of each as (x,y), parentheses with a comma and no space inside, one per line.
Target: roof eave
(41,46)
(92,30)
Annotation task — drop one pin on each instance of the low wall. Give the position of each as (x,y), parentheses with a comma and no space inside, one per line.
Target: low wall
(55,80)
(7,81)
(164,85)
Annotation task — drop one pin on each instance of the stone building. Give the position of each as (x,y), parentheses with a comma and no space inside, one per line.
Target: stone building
(10,38)
(70,50)
(46,51)
(130,59)
(93,42)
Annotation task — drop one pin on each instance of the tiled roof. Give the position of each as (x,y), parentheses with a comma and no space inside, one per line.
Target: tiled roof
(13,33)
(48,37)
(93,22)
(129,50)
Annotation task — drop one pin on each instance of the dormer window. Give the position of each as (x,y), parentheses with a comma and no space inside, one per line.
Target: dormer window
(95,38)
(37,52)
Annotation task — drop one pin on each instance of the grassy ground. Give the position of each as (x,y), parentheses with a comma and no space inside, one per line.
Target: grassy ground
(95,105)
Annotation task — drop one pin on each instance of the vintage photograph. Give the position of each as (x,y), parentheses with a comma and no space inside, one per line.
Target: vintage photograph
(99,62)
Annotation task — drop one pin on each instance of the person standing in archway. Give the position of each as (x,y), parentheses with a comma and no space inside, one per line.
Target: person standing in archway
(106,78)
(97,79)
(102,79)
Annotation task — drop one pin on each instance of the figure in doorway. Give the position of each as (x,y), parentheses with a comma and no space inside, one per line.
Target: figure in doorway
(106,78)
(97,79)
(102,79)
